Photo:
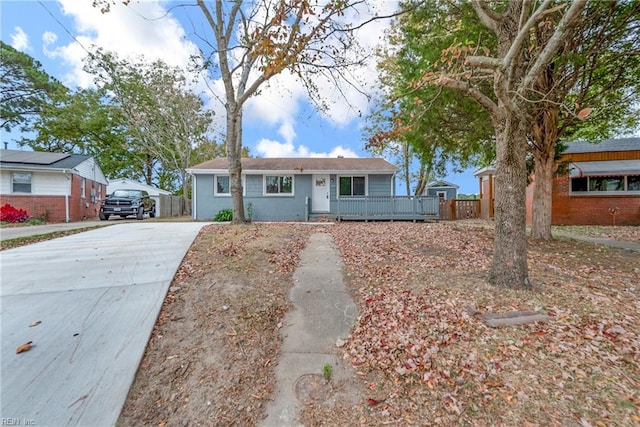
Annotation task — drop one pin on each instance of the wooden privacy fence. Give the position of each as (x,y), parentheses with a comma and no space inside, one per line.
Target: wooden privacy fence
(170,205)
(459,209)
(401,208)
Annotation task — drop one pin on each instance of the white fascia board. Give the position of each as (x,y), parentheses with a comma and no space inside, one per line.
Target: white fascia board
(289,172)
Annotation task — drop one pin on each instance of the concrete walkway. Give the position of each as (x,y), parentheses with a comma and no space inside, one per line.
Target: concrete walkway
(97,295)
(600,241)
(7,233)
(323,313)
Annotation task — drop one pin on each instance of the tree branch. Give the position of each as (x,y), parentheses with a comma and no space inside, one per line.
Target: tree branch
(552,45)
(523,34)
(486,102)
(483,62)
(488,17)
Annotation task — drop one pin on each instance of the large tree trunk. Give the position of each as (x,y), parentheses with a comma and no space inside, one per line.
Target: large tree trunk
(541,207)
(509,268)
(545,136)
(234,154)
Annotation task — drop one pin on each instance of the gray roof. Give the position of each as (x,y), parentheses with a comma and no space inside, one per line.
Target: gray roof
(40,159)
(622,144)
(442,184)
(301,164)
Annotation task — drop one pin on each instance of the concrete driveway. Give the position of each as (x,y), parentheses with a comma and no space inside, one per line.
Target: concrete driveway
(97,295)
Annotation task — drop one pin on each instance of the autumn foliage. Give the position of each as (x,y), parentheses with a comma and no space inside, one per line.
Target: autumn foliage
(10,214)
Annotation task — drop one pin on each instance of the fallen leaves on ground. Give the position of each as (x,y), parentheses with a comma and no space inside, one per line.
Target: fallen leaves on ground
(420,353)
(418,286)
(213,351)
(625,233)
(24,347)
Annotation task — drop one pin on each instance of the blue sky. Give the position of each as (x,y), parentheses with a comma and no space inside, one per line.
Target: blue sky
(280,122)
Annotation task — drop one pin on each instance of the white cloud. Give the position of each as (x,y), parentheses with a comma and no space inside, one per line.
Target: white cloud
(20,40)
(131,31)
(271,148)
(287,132)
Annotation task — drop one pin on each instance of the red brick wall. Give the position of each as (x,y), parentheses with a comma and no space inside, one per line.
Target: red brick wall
(38,206)
(53,207)
(592,210)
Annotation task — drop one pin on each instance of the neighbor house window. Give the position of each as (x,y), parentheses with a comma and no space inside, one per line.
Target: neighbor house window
(352,186)
(222,185)
(278,185)
(609,184)
(83,188)
(442,195)
(21,182)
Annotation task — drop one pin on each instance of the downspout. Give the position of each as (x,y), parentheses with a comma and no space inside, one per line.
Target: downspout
(194,199)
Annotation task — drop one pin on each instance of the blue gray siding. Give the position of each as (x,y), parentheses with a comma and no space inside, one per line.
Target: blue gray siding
(265,208)
(276,208)
(452,193)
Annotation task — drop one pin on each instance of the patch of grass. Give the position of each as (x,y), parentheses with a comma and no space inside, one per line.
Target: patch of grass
(327,371)
(23,241)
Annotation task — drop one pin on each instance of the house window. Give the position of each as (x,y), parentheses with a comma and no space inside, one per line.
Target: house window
(605,184)
(222,185)
(579,184)
(442,195)
(352,186)
(278,185)
(21,182)
(83,188)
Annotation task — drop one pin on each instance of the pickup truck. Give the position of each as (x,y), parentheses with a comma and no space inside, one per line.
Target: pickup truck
(124,203)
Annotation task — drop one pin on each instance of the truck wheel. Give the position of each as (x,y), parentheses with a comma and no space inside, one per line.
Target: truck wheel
(152,214)
(102,216)
(140,214)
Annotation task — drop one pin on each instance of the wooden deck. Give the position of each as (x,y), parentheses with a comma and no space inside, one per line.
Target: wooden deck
(388,208)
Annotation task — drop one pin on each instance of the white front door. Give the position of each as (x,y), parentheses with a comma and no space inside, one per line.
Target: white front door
(320,195)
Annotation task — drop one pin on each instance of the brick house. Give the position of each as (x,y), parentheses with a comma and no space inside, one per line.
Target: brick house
(56,186)
(602,186)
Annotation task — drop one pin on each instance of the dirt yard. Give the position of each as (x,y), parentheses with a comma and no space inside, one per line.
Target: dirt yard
(421,354)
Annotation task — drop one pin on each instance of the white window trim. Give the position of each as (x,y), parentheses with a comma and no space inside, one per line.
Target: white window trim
(30,183)
(293,186)
(444,193)
(83,188)
(366,185)
(215,185)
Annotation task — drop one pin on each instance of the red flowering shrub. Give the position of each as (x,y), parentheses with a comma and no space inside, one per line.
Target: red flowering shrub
(10,214)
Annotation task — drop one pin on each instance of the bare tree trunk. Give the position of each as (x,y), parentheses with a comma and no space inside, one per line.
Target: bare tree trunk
(509,266)
(148,169)
(186,210)
(234,154)
(406,164)
(545,135)
(542,192)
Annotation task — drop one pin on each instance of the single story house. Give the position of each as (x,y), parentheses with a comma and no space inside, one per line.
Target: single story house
(154,192)
(602,186)
(442,189)
(56,186)
(294,189)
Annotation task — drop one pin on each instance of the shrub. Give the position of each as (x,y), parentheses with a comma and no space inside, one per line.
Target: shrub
(10,214)
(224,215)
